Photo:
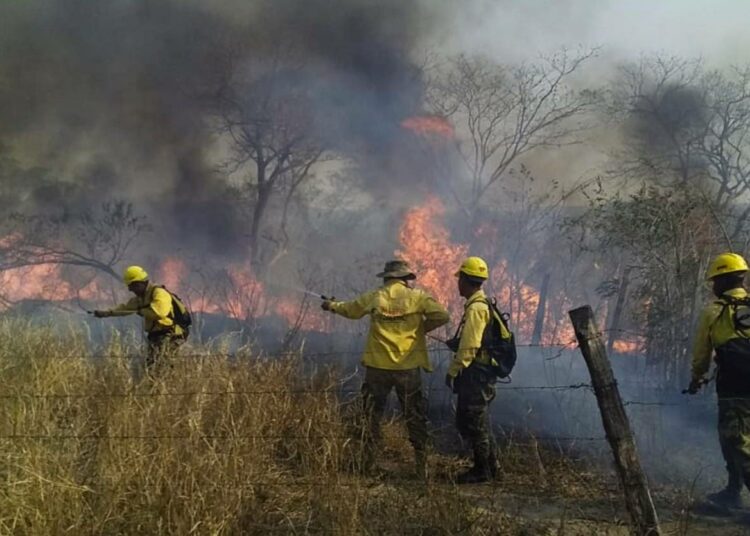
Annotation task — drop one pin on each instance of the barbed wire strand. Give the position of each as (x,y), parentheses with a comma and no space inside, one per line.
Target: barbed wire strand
(261,355)
(204,437)
(260,392)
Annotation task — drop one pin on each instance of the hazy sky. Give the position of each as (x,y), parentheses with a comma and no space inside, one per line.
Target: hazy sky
(718,30)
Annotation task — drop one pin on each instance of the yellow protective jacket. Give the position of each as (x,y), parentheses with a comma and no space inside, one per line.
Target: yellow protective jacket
(714,330)
(475,320)
(155,307)
(399,318)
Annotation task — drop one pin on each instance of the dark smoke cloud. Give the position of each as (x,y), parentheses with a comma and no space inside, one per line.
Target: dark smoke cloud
(99,95)
(365,45)
(102,98)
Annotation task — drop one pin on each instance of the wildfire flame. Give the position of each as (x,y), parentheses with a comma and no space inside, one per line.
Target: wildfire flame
(425,243)
(246,297)
(44,282)
(429,125)
(628,347)
(427,246)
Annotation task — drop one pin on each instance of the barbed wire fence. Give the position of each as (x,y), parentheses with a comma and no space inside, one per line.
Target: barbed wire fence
(440,393)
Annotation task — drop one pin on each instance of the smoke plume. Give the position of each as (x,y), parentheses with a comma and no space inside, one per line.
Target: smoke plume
(109,98)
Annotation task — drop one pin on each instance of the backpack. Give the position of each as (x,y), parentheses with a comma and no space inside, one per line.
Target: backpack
(741,309)
(497,340)
(180,313)
(733,357)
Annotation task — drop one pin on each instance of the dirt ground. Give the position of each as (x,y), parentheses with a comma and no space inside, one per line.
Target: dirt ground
(543,492)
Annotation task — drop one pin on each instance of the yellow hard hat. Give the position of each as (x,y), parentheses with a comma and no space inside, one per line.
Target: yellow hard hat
(133,274)
(475,267)
(726,263)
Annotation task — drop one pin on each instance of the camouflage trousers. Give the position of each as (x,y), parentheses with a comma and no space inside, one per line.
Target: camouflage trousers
(734,438)
(161,348)
(408,386)
(475,387)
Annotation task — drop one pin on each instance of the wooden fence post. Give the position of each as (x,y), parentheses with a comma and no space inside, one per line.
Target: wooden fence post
(638,500)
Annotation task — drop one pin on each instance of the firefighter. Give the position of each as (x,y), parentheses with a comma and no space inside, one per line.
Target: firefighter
(156,306)
(394,355)
(470,374)
(721,331)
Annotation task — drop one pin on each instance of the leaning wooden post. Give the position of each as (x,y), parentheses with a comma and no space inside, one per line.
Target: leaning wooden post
(616,425)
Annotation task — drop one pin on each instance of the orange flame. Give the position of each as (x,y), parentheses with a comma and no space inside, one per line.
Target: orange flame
(426,245)
(245,297)
(44,282)
(628,347)
(429,125)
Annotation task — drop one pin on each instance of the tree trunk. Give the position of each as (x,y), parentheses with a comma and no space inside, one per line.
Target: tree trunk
(264,195)
(541,311)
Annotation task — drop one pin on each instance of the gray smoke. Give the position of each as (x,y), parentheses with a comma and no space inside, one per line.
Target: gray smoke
(109,99)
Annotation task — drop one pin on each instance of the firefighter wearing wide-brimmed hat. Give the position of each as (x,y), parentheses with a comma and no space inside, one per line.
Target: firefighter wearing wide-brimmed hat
(724,330)
(395,353)
(470,374)
(156,306)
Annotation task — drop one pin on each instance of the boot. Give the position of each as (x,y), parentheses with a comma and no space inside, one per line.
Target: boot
(729,498)
(475,475)
(481,472)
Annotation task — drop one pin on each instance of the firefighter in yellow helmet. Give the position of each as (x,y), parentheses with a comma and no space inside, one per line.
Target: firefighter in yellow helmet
(156,306)
(396,351)
(470,374)
(724,330)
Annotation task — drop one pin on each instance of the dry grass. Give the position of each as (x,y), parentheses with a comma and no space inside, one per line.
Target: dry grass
(246,447)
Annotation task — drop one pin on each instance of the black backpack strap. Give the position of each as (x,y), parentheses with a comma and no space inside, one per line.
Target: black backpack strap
(724,306)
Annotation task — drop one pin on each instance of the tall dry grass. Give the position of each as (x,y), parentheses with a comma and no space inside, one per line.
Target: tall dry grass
(212,446)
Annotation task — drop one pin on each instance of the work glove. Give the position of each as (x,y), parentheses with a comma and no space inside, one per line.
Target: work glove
(101,314)
(326,305)
(449,381)
(695,386)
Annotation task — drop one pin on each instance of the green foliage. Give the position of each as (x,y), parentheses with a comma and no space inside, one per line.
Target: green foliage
(663,237)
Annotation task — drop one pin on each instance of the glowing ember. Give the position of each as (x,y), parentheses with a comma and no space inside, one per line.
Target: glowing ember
(429,125)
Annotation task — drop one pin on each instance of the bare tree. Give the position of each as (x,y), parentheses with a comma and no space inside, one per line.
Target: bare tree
(505,112)
(688,128)
(268,118)
(97,239)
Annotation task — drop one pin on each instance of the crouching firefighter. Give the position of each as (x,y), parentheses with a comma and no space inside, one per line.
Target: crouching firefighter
(395,354)
(484,350)
(166,320)
(724,329)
